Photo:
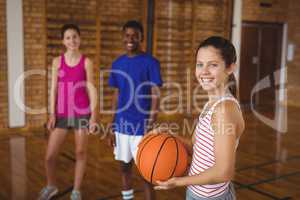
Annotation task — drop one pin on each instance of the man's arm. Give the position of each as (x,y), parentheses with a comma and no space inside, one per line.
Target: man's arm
(154,106)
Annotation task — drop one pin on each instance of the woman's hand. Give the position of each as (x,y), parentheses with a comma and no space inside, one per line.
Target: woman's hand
(51,122)
(92,125)
(166,185)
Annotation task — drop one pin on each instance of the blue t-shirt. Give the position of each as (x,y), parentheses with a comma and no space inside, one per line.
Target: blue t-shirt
(134,77)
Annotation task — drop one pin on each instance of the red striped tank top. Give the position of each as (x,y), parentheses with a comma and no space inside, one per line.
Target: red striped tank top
(203,153)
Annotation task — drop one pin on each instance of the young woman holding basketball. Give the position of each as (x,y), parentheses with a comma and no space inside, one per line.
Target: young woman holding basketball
(72,105)
(219,128)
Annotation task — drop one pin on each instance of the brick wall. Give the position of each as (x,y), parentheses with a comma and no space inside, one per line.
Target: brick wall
(101,22)
(3,67)
(82,13)
(179,29)
(35,59)
(110,20)
(276,13)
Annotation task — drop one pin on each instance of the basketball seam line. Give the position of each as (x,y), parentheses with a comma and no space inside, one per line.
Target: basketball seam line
(177,153)
(143,149)
(158,156)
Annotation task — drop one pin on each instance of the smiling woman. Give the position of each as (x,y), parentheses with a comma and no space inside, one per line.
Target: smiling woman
(214,144)
(216,59)
(71,101)
(33,44)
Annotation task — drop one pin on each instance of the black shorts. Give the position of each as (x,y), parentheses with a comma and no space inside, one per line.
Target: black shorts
(81,122)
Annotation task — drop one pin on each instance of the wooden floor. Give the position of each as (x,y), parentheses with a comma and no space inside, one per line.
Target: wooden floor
(268,166)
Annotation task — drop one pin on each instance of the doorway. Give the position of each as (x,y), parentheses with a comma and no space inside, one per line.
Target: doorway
(261,45)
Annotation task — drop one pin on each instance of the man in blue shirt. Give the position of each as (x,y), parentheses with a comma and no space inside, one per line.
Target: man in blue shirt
(136,78)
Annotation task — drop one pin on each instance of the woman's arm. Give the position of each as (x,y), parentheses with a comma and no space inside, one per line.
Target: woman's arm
(53,92)
(111,136)
(224,125)
(92,92)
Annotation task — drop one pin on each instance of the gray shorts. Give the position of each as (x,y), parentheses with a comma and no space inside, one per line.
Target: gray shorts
(81,122)
(228,195)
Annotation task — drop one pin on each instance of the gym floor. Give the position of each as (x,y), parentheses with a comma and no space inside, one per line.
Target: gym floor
(268,165)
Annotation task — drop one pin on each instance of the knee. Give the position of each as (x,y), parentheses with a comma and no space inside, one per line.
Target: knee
(50,159)
(80,154)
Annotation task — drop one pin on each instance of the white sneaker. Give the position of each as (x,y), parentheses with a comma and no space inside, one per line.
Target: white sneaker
(48,192)
(76,195)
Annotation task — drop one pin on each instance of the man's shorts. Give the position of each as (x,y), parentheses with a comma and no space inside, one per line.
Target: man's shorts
(126,146)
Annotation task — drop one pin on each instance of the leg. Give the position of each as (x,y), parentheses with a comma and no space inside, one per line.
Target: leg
(123,154)
(189,196)
(149,192)
(126,174)
(81,141)
(56,139)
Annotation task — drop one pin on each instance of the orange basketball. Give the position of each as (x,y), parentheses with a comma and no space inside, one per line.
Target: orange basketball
(160,157)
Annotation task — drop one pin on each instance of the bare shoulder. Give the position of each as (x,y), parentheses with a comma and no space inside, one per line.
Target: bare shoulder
(229,112)
(56,62)
(88,62)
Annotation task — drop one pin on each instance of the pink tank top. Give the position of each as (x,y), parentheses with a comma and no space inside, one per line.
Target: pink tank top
(72,96)
(204,153)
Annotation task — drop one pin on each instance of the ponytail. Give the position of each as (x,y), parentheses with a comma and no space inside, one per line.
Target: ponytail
(232,85)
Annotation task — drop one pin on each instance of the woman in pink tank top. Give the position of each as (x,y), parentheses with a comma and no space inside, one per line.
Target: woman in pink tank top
(72,105)
(219,127)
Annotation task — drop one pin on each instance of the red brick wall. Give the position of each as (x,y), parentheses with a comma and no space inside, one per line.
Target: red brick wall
(82,13)
(35,59)
(254,12)
(100,22)
(111,17)
(179,29)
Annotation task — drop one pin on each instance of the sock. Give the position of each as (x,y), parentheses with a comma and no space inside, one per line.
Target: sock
(127,194)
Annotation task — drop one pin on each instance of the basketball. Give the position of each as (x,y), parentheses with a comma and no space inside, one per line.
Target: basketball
(160,157)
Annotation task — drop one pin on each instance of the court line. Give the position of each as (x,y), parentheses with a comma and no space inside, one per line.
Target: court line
(264,193)
(274,178)
(242,186)
(64,154)
(286,198)
(268,163)
(252,185)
